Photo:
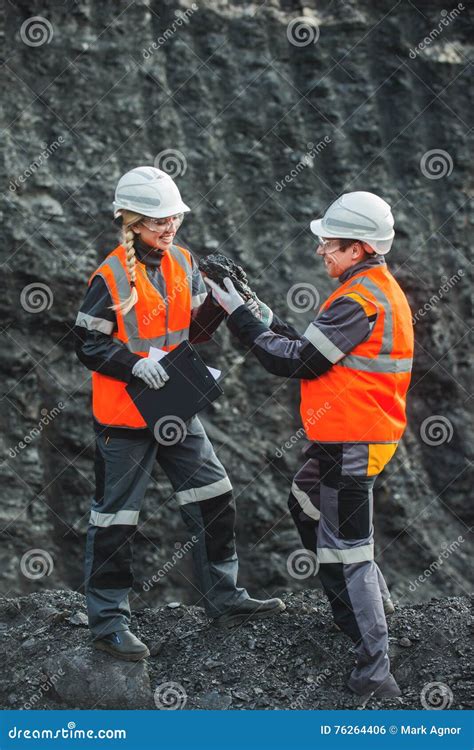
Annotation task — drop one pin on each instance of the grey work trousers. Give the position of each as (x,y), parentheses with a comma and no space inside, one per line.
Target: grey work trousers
(333,512)
(123,465)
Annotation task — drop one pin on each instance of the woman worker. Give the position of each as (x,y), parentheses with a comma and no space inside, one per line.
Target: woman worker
(149,292)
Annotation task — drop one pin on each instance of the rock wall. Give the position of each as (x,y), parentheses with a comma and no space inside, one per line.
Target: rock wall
(266,129)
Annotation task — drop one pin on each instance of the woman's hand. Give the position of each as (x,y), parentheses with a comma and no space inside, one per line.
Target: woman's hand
(151,372)
(229,299)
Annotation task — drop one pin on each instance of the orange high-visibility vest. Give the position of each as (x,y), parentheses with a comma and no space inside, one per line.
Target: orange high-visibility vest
(362,397)
(155,320)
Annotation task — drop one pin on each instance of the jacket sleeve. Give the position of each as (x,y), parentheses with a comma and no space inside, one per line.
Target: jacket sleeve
(284,329)
(206,315)
(326,340)
(93,330)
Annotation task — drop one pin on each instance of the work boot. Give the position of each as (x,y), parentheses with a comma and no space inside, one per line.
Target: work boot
(388,689)
(249,609)
(388,606)
(122,644)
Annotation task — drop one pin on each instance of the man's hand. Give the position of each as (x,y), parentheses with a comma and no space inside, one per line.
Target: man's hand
(260,310)
(254,308)
(229,299)
(151,372)
(265,313)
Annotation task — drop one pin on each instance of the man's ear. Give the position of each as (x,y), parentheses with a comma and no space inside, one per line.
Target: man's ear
(362,248)
(367,248)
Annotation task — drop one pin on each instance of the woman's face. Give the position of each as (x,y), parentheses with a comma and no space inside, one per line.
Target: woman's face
(159,233)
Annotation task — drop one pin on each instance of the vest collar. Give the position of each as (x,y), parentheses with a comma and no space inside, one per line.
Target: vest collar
(150,256)
(372,262)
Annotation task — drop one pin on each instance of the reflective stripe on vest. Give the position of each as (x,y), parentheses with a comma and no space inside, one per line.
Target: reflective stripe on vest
(159,320)
(384,362)
(137,343)
(366,389)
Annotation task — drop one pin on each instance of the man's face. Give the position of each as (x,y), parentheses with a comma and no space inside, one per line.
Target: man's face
(336,260)
(159,233)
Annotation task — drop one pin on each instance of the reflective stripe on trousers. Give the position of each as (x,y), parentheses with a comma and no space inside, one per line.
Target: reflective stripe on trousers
(333,514)
(124,467)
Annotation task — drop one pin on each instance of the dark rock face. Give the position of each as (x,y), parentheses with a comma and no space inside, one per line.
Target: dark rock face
(295,660)
(265,135)
(217,267)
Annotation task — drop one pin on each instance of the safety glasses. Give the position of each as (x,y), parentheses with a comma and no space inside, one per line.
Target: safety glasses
(326,245)
(158,225)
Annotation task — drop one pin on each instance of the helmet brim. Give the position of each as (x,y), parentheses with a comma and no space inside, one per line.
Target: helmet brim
(153,214)
(316,227)
(380,247)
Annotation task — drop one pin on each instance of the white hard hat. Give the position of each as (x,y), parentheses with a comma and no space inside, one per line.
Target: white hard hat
(148,191)
(359,216)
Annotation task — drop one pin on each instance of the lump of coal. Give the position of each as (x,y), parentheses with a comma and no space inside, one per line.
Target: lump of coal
(217,266)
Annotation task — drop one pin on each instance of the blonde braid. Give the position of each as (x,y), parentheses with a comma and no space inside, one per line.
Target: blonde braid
(128,236)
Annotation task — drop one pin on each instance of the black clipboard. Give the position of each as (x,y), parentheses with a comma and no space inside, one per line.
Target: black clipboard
(190,388)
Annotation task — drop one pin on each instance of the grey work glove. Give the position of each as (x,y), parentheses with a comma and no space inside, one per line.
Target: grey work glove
(252,305)
(265,313)
(228,298)
(260,310)
(151,372)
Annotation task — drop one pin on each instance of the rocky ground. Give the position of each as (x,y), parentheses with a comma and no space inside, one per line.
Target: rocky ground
(242,105)
(295,661)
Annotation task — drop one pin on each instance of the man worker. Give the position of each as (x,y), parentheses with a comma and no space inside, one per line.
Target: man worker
(355,357)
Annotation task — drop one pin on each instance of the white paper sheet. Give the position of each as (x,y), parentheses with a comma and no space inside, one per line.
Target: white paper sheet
(158,354)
